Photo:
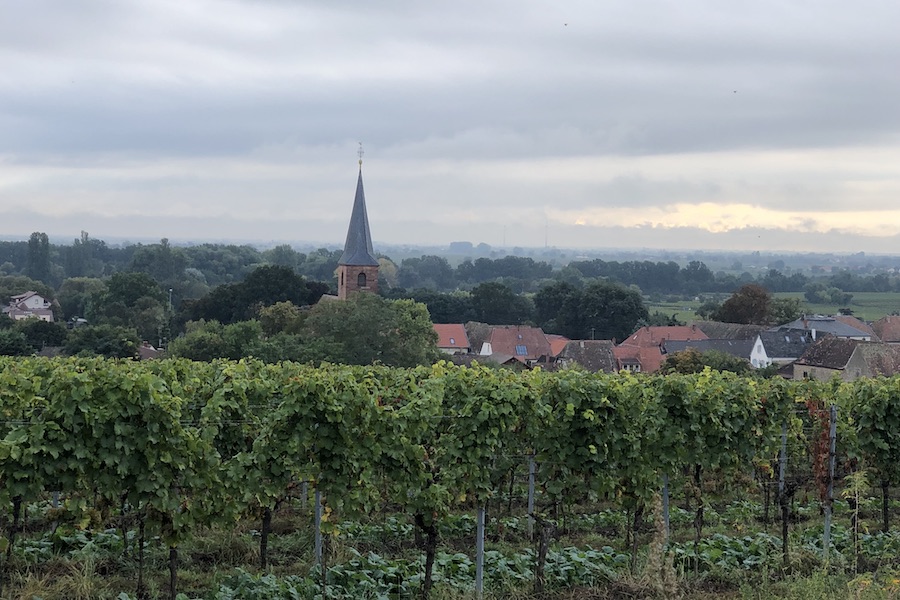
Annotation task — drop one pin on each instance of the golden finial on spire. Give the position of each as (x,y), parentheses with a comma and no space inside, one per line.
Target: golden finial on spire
(360,153)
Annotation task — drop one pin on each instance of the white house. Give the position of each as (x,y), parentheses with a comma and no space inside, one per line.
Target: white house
(29,305)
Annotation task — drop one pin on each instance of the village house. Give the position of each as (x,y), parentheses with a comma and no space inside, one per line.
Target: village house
(29,305)
(888,329)
(842,326)
(452,338)
(643,351)
(848,359)
(751,350)
(525,344)
(595,356)
(784,346)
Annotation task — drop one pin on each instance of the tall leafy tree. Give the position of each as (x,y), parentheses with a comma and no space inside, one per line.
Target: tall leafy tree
(751,304)
(366,329)
(496,304)
(38,265)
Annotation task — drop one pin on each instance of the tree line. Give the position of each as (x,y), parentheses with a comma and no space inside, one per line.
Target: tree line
(193,270)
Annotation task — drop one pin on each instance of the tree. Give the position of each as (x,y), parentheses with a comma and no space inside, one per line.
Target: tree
(284,256)
(367,329)
(433,272)
(39,333)
(454,307)
(103,340)
(265,286)
(784,310)
(549,299)
(694,361)
(496,304)
(609,311)
(751,304)
(12,285)
(281,317)
(38,265)
(13,343)
(208,340)
(708,309)
(161,262)
(74,294)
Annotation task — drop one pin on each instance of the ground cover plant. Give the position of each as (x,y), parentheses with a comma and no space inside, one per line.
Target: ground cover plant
(207,480)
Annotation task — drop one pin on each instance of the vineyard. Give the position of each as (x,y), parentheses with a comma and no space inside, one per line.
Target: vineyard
(288,481)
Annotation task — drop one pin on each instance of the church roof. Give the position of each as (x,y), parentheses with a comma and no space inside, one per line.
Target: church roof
(358,247)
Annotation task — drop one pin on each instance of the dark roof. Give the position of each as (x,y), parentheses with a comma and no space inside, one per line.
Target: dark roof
(715,330)
(828,325)
(829,353)
(858,324)
(786,343)
(594,355)
(739,348)
(358,247)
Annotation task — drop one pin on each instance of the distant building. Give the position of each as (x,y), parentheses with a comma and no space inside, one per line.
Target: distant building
(358,267)
(751,350)
(837,326)
(595,356)
(29,305)
(847,359)
(644,350)
(525,344)
(452,338)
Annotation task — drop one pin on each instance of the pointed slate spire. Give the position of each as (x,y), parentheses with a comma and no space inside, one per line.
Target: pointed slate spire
(358,247)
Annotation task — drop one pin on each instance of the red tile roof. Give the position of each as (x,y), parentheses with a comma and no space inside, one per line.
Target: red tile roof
(643,346)
(524,343)
(654,336)
(557,343)
(451,335)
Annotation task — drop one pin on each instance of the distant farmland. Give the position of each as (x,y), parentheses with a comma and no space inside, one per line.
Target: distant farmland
(868,306)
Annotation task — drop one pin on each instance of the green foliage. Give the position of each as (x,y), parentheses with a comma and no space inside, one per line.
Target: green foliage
(601,310)
(76,292)
(38,266)
(13,285)
(14,343)
(103,340)
(265,286)
(39,333)
(367,329)
(751,304)
(496,304)
(694,361)
(208,340)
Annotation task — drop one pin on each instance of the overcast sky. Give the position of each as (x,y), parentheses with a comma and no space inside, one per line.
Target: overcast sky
(763,125)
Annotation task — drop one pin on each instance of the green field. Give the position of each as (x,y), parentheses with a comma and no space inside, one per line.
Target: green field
(868,306)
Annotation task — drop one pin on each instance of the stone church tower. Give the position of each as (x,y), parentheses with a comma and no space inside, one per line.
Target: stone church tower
(358,267)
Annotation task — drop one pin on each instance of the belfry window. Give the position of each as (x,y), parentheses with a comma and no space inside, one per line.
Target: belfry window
(361,280)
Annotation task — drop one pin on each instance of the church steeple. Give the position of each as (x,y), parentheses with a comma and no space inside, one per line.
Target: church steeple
(358,267)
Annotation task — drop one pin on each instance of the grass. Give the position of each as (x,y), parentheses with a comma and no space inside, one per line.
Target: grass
(868,306)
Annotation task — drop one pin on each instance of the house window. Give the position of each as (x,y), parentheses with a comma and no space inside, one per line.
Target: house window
(452,342)
(521,350)
(361,280)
